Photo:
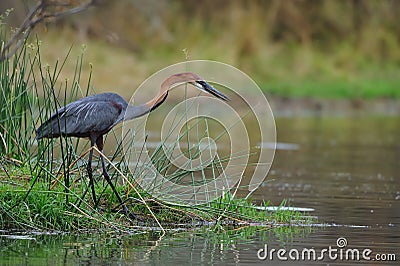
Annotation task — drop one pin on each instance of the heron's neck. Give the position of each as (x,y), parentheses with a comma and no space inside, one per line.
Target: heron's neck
(136,111)
(140,110)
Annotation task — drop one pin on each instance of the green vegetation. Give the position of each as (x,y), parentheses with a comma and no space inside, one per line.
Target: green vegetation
(324,49)
(41,208)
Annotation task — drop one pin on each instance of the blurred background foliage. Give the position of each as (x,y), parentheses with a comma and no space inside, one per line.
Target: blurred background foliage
(334,49)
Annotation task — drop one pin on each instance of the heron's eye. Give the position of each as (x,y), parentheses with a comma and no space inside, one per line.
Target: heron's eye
(202,83)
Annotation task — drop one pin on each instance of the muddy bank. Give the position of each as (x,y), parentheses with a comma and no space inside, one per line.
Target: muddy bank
(284,106)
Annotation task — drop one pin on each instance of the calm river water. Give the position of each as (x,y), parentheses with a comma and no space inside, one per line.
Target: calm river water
(347,169)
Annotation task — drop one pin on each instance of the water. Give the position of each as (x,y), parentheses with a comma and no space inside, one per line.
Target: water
(347,169)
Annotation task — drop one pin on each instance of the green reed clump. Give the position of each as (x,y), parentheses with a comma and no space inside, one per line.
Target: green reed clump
(30,93)
(15,123)
(231,208)
(44,209)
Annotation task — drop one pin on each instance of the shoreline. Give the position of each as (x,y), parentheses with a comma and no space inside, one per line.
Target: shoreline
(307,106)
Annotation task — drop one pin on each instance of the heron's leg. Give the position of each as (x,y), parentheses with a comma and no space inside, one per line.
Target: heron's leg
(99,143)
(89,171)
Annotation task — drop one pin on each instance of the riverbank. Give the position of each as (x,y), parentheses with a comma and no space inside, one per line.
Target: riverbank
(305,106)
(304,76)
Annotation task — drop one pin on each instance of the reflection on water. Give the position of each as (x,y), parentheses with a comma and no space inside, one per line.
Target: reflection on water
(346,169)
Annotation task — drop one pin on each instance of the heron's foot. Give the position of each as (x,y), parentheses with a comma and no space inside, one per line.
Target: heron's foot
(132,217)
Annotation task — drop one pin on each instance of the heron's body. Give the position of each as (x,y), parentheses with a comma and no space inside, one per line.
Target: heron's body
(93,116)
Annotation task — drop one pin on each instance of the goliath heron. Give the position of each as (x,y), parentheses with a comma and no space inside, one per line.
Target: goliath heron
(93,116)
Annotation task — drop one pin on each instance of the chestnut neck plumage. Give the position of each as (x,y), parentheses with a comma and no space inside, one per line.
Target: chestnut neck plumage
(140,110)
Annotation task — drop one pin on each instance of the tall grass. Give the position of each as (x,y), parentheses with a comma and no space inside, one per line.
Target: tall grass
(42,186)
(30,93)
(15,125)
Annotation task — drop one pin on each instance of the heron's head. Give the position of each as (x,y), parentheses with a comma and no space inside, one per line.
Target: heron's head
(204,86)
(193,79)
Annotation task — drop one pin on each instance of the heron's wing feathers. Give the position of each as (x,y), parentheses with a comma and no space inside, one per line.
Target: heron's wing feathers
(81,118)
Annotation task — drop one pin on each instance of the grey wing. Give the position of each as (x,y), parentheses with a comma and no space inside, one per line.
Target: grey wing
(81,119)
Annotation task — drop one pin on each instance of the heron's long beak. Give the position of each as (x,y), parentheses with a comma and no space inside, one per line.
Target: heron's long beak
(204,86)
